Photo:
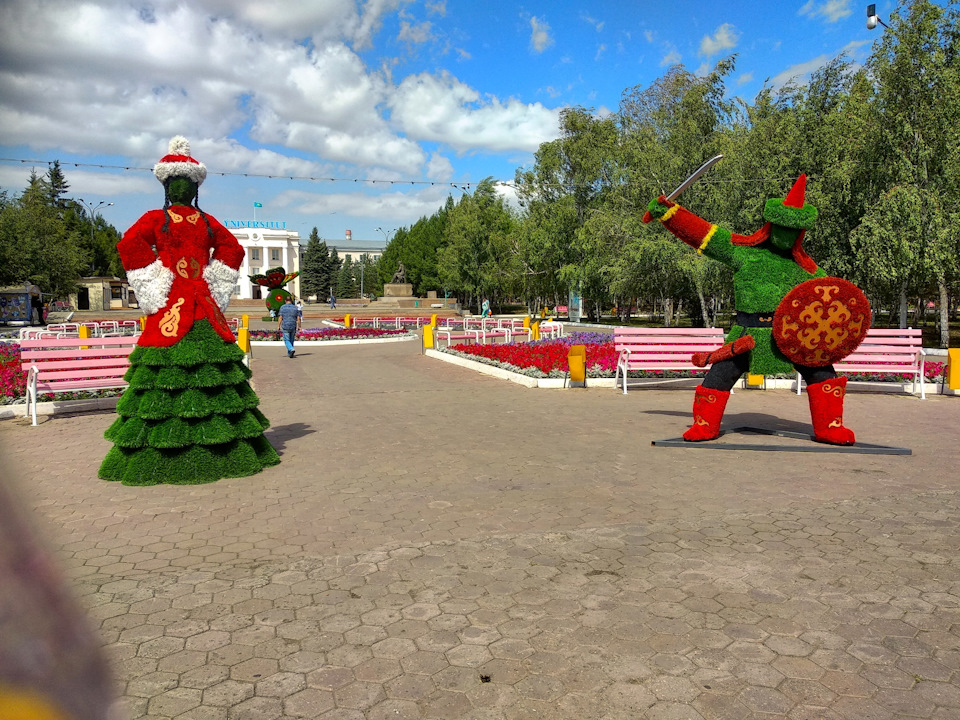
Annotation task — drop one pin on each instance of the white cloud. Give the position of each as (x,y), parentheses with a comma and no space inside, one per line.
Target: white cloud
(650,35)
(439,168)
(597,24)
(260,87)
(745,78)
(802,70)
(540,38)
(443,109)
(725,38)
(407,206)
(601,48)
(832,10)
(133,80)
(415,34)
(671,58)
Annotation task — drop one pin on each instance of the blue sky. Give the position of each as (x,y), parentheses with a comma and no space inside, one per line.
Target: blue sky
(422,96)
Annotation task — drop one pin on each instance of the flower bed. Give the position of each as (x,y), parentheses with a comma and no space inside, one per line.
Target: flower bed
(321,334)
(545,358)
(548,358)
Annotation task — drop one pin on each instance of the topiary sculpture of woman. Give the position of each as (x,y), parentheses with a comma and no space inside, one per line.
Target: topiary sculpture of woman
(189,415)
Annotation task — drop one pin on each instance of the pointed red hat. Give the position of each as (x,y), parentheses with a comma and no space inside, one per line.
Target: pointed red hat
(794,198)
(791,212)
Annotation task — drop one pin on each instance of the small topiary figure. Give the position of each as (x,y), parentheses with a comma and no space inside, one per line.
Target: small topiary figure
(273,282)
(189,415)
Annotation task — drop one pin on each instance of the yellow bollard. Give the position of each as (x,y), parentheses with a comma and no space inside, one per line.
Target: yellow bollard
(754,380)
(428,336)
(245,321)
(543,311)
(535,331)
(433,320)
(577,362)
(83,332)
(953,369)
(346,321)
(243,339)
(143,322)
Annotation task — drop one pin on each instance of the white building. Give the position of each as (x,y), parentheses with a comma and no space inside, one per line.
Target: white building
(267,244)
(352,250)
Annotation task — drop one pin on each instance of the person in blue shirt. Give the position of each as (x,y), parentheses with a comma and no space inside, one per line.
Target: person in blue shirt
(289,323)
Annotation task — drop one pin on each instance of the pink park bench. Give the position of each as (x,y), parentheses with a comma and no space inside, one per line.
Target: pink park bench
(654,349)
(886,352)
(450,335)
(72,364)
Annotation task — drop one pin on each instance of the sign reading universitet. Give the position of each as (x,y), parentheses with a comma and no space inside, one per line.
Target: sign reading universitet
(263,224)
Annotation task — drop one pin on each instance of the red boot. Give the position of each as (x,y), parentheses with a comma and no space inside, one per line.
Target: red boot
(826,411)
(708,407)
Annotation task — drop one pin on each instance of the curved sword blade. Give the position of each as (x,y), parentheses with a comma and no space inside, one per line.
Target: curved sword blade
(693,178)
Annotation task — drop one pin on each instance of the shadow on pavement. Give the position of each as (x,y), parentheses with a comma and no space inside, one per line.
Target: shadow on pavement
(279,435)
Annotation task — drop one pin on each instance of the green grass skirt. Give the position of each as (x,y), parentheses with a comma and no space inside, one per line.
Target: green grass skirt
(188,417)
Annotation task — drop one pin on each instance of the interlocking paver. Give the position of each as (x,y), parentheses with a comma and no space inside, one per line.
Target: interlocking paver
(406,561)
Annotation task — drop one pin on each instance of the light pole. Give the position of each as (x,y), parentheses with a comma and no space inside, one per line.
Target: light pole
(91,209)
(386,241)
(873,18)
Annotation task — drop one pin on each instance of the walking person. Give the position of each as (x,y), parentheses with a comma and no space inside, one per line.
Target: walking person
(289,324)
(333,301)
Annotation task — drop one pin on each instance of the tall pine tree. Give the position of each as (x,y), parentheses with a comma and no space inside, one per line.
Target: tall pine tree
(346,282)
(314,268)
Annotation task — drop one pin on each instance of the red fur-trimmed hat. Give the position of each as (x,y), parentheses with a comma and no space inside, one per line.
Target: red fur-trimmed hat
(178,163)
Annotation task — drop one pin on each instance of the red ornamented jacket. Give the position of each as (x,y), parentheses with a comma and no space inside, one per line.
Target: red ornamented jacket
(185,249)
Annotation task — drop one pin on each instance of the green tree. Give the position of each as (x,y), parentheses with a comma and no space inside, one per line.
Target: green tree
(37,244)
(315,268)
(346,286)
(57,185)
(477,255)
(916,68)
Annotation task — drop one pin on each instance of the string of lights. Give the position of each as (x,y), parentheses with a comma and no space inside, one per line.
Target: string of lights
(274,176)
(462,186)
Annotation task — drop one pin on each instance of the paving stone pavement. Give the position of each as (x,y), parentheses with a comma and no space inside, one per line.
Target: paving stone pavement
(438,544)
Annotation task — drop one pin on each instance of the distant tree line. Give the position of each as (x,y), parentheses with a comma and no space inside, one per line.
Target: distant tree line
(880,145)
(46,238)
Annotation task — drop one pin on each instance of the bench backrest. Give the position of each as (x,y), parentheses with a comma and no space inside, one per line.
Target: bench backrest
(667,347)
(69,360)
(887,349)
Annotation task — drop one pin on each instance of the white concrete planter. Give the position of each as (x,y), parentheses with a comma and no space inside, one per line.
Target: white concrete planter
(55,407)
(525,380)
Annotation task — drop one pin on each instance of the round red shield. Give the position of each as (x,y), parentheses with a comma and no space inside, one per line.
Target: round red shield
(821,321)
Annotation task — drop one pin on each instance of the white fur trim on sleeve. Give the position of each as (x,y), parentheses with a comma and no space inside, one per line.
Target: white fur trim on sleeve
(151,285)
(221,279)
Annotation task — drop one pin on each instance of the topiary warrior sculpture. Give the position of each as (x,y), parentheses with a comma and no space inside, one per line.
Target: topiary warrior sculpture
(789,315)
(273,282)
(189,415)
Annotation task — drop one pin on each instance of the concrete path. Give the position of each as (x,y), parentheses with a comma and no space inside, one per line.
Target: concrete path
(440,544)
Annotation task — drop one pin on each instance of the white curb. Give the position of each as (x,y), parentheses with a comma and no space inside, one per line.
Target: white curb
(301,344)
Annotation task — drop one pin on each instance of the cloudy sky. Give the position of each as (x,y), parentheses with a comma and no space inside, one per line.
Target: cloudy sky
(366,113)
